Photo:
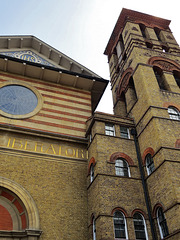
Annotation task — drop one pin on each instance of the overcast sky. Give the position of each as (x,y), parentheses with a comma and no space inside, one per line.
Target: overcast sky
(80,28)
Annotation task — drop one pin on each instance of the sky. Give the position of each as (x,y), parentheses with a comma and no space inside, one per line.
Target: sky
(80,28)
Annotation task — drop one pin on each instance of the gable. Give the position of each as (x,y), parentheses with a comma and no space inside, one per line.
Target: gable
(28,55)
(19,46)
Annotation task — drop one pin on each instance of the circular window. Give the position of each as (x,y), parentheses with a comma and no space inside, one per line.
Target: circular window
(19,101)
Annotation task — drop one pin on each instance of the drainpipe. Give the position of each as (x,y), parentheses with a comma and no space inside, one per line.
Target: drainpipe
(146,195)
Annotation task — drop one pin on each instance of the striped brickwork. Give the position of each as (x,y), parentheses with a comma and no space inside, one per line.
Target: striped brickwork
(64,109)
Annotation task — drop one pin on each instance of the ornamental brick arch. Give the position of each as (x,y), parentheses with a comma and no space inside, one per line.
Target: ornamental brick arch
(154,212)
(92,161)
(123,83)
(119,209)
(13,213)
(139,211)
(177,143)
(117,155)
(164,63)
(27,201)
(171,104)
(150,24)
(146,151)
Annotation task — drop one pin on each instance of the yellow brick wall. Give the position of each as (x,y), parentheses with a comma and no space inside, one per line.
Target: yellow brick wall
(57,183)
(154,127)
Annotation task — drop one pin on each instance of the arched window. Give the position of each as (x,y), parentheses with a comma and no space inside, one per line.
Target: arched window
(173,113)
(120,228)
(94,228)
(159,76)
(17,215)
(13,211)
(122,167)
(92,172)
(149,163)
(163,229)
(140,226)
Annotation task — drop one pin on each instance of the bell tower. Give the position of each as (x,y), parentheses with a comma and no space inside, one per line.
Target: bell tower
(144,62)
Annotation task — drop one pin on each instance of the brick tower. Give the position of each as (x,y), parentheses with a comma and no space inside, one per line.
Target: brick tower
(68,172)
(144,61)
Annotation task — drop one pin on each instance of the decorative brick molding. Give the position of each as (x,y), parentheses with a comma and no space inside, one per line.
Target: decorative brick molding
(120,210)
(92,161)
(158,205)
(12,205)
(149,24)
(148,150)
(117,155)
(139,211)
(27,201)
(177,143)
(137,17)
(168,104)
(164,63)
(123,83)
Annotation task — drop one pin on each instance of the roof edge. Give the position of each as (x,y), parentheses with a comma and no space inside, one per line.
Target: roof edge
(127,14)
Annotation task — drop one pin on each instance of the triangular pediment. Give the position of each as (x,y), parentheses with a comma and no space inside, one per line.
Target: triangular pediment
(32,49)
(28,55)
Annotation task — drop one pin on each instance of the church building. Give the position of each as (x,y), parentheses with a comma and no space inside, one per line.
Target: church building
(70,172)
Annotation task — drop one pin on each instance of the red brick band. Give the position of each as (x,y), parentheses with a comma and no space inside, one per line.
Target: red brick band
(92,161)
(117,155)
(148,150)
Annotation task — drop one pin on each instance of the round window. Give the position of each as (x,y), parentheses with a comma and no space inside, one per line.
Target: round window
(19,101)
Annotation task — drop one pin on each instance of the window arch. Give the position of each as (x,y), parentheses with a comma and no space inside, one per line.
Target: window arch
(161,220)
(20,208)
(13,212)
(120,227)
(140,226)
(91,165)
(122,167)
(177,143)
(149,163)
(173,113)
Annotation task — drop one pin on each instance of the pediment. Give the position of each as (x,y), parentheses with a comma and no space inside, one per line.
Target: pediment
(30,48)
(28,55)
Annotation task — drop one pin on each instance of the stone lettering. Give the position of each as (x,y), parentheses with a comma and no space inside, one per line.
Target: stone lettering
(50,150)
(39,147)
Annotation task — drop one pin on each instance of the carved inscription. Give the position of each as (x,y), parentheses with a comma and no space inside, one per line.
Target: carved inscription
(44,148)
